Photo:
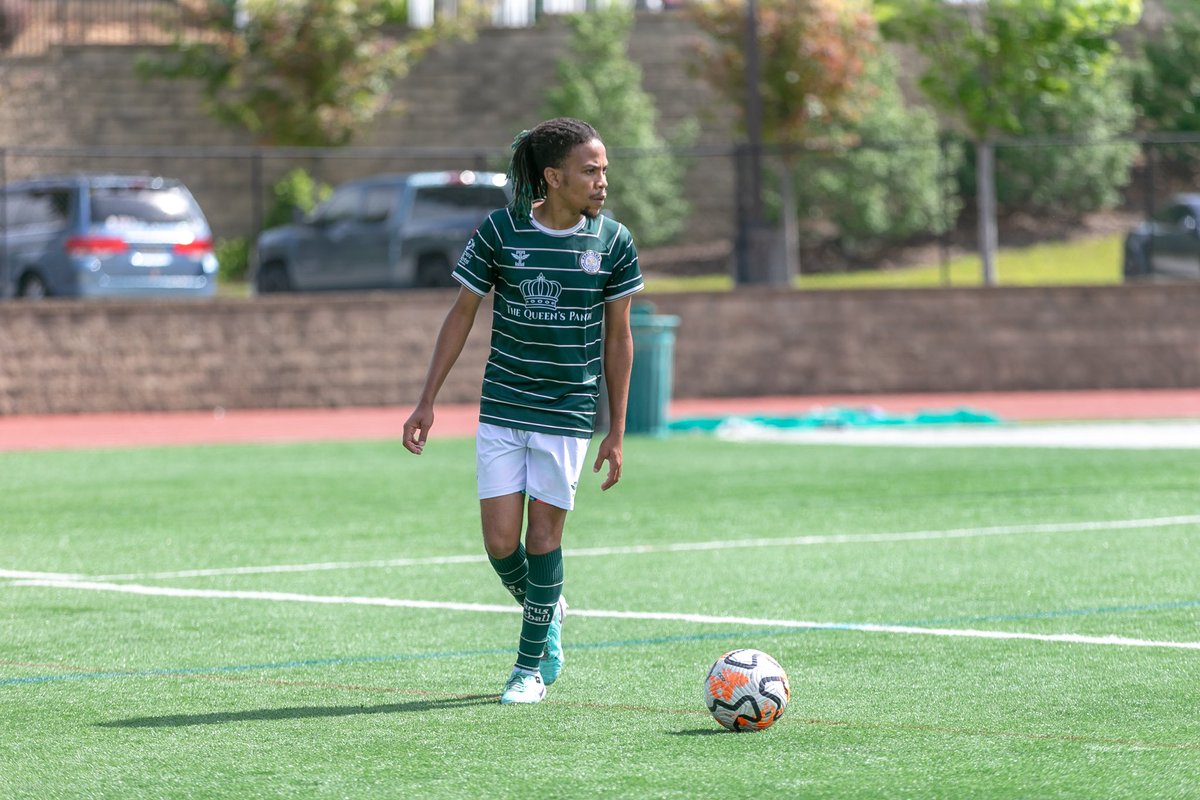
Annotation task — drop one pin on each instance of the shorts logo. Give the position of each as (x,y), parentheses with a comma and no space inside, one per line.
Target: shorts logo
(520,257)
(589,262)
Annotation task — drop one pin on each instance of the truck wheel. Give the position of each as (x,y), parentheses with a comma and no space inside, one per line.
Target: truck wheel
(272,278)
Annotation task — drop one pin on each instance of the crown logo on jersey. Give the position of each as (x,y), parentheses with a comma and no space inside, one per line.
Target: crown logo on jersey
(541,293)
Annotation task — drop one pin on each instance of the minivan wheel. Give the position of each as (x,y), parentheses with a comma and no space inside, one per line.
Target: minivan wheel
(273,278)
(433,270)
(33,287)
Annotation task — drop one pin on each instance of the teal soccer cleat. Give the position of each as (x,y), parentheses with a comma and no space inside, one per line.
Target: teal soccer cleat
(523,687)
(552,659)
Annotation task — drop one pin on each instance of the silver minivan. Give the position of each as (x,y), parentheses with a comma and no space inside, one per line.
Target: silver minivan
(104,236)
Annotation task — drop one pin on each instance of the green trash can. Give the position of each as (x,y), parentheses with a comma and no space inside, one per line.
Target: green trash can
(653,362)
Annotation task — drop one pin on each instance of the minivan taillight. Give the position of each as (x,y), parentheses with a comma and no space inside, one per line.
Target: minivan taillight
(99,246)
(195,248)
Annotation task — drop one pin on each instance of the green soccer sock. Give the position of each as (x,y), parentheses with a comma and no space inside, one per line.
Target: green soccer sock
(513,570)
(543,588)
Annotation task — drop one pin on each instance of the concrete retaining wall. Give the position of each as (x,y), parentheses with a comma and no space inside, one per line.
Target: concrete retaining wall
(373,349)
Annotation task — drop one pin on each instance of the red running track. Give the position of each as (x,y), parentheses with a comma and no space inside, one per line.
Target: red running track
(71,431)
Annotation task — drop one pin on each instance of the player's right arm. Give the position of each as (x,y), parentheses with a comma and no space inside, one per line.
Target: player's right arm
(450,341)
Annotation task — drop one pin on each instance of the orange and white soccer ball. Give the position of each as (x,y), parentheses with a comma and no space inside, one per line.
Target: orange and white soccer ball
(746,690)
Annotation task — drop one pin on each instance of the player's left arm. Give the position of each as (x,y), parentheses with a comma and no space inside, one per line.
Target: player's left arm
(618,364)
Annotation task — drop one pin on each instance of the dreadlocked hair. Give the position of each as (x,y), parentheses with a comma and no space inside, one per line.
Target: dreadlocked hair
(547,145)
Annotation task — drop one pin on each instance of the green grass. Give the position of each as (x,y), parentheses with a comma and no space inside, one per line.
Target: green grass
(1089,262)
(110,694)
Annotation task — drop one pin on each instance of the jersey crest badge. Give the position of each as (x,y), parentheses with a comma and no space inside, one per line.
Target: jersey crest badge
(589,262)
(520,256)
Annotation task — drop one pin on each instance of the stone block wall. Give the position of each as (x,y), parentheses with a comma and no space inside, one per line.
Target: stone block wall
(63,356)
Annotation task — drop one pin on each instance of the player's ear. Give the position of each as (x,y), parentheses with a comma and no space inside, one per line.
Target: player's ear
(553,177)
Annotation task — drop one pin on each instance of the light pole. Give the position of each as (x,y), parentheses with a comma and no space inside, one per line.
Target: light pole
(753,115)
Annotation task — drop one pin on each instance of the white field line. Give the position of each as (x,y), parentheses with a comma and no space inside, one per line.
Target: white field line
(683,547)
(1120,436)
(52,576)
(698,619)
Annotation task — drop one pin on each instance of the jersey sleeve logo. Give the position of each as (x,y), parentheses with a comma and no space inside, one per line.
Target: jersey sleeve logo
(467,253)
(589,262)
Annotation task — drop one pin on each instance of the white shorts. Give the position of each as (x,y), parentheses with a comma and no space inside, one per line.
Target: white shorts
(544,466)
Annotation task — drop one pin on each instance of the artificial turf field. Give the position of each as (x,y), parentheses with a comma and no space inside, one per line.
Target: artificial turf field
(317,621)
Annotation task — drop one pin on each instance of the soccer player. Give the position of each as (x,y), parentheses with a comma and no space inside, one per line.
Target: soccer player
(557,269)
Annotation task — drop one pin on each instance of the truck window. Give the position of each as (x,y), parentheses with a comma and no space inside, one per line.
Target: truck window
(441,201)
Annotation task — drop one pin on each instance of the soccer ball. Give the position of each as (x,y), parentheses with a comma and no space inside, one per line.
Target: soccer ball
(746,690)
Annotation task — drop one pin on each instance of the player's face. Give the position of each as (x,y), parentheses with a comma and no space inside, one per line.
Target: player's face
(583,178)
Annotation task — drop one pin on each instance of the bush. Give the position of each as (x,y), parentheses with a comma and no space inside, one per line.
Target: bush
(1072,178)
(295,191)
(234,257)
(1166,87)
(887,180)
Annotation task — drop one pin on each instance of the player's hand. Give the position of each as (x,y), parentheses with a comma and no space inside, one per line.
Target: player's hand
(416,429)
(610,451)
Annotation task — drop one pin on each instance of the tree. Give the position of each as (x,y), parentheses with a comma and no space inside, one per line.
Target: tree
(599,83)
(987,59)
(813,53)
(1166,86)
(891,180)
(297,72)
(1070,178)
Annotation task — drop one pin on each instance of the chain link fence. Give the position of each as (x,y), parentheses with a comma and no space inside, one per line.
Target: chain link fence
(866,207)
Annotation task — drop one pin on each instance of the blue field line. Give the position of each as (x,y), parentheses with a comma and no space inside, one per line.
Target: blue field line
(655,640)
(1058,614)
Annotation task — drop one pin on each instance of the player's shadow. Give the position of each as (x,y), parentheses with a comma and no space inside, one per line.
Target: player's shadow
(298,712)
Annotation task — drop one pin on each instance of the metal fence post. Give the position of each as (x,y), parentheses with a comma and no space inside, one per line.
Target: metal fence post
(943,212)
(4,268)
(256,190)
(1148,189)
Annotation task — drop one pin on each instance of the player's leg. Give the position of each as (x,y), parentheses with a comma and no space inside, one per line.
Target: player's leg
(541,628)
(501,473)
(501,476)
(554,465)
(502,519)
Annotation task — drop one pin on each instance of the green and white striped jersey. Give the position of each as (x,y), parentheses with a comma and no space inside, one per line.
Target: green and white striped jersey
(543,373)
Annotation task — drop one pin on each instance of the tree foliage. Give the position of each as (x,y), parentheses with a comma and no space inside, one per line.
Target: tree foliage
(812,54)
(1069,177)
(896,181)
(986,59)
(296,72)
(1166,89)
(599,83)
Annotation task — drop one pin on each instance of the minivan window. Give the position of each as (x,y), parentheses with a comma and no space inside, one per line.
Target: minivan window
(41,209)
(118,206)
(435,201)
